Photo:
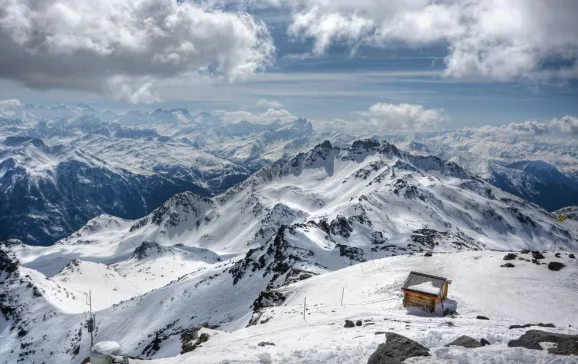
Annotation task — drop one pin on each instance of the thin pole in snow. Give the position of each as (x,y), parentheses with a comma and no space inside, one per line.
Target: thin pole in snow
(90,319)
(342,293)
(304,306)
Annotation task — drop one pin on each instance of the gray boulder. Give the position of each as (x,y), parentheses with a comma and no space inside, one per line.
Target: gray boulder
(537,255)
(466,342)
(555,266)
(396,349)
(349,323)
(566,344)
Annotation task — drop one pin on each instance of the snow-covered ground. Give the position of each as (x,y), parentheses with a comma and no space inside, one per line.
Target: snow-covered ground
(528,293)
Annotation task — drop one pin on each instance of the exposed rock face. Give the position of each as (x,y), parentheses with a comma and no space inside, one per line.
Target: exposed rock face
(143,250)
(396,349)
(566,344)
(465,341)
(8,263)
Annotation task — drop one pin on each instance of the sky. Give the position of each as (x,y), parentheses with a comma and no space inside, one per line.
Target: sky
(398,65)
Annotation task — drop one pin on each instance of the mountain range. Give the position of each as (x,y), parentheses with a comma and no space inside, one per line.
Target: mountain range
(230,261)
(63,166)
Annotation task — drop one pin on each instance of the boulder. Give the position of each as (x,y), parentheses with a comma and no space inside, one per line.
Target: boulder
(525,251)
(484,342)
(537,255)
(480,317)
(566,344)
(557,255)
(530,325)
(555,266)
(465,341)
(265,343)
(396,349)
(507,265)
(427,254)
(358,323)
(510,256)
(349,323)
(571,256)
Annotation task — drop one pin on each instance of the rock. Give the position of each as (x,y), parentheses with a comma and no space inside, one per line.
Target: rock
(555,266)
(115,359)
(349,323)
(396,349)
(525,251)
(465,341)
(8,262)
(510,256)
(567,344)
(507,265)
(530,325)
(358,323)
(427,254)
(190,346)
(479,317)
(537,255)
(557,255)
(265,343)
(571,256)
(484,342)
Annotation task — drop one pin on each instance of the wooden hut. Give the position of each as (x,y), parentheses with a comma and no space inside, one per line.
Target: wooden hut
(424,290)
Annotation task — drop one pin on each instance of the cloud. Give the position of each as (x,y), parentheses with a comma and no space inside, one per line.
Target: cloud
(565,126)
(386,118)
(402,117)
(269,104)
(269,116)
(123,46)
(492,39)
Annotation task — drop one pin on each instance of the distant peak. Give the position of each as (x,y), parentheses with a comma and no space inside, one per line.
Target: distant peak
(145,249)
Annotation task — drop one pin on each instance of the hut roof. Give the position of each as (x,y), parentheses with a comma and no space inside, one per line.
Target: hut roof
(424,283)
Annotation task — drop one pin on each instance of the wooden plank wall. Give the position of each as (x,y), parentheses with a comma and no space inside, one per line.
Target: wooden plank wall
(412,299)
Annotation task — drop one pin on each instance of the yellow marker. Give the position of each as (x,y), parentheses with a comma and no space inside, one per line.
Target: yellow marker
(562,218)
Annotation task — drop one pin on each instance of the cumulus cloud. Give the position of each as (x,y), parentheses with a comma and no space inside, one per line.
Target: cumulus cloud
(386,118)
(269,116)
(123,46)
(494,39)
(565,126)
(402,117)
(269,104)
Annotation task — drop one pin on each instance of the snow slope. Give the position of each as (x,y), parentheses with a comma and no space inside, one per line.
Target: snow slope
(528,293)
(224,260)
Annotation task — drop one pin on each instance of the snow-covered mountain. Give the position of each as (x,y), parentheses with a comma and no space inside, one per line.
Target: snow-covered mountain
(540,168)
(231,261)
(60,166)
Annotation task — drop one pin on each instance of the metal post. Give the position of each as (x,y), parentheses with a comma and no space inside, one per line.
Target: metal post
(342,293)
(90,319)
(304,307)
